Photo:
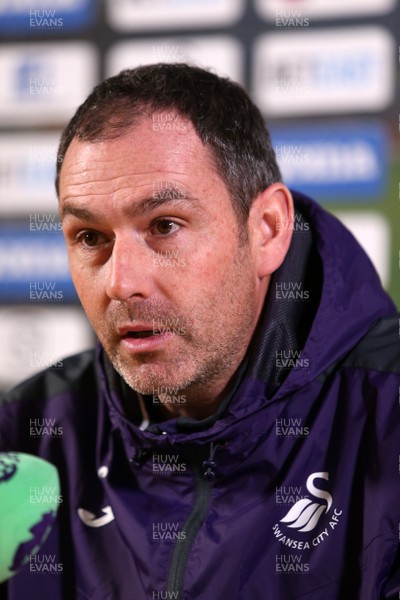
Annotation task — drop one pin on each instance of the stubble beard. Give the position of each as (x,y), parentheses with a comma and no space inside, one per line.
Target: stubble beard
(211,348)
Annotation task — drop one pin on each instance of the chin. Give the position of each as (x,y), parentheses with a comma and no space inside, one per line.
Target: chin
(150,380)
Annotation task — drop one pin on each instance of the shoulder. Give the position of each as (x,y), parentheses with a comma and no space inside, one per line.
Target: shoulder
(379,349)
(74,373)
(61,396)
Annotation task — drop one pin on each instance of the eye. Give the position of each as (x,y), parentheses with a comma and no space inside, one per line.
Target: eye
(164,227)
(91,239)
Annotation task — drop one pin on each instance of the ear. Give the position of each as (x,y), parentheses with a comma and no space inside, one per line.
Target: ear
(271,222)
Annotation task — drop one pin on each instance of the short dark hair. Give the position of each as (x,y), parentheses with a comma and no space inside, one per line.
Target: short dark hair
(223,115)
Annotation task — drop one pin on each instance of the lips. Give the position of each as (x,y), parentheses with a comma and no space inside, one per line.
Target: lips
(140,334)
(137,331)
(142,337)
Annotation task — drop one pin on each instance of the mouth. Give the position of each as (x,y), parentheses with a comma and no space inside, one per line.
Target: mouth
(143,338)
(141,334)
(138,330)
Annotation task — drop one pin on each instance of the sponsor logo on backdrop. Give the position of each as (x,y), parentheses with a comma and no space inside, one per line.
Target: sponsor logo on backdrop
(336,162)
(372,230)
(42,16)
(38,337)
(45,82)
(221,52)
(325,71)
(323,10)
(33,262)
(127,15)
(27,171)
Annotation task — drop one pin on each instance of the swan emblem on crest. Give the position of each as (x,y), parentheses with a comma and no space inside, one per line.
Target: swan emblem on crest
(305,514)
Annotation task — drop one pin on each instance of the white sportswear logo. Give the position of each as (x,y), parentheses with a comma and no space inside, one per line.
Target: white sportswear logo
(90,519)
(305,514)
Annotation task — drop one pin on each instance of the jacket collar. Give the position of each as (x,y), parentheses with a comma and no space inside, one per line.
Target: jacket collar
(283,327)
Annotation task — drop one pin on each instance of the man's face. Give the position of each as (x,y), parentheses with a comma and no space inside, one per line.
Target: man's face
(156,257)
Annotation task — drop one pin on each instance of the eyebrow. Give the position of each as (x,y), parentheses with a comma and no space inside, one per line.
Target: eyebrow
(168,195)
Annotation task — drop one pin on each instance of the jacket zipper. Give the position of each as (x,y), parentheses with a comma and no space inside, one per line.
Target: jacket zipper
(190,527)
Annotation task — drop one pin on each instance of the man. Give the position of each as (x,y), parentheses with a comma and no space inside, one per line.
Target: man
(235,434)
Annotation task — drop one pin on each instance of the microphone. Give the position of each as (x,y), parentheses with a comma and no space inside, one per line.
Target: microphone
(29,499)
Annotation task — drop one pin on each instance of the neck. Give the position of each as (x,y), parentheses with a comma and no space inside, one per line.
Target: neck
(196,402)
(201,400)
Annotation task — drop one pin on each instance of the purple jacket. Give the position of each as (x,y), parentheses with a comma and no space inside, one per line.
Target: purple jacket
(292,490)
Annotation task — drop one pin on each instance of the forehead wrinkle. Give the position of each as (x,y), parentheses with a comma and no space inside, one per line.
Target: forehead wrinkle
(96,186)
(147,205)
(170,190)
(91,186)
(172,196)
(76,211)
(82,192)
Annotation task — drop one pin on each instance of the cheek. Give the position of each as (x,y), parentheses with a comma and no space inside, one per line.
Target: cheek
(198,269)
(204,278)
(89,288)
(212,262)
(221,276)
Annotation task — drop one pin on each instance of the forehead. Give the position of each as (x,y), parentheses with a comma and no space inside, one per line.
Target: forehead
(161,145)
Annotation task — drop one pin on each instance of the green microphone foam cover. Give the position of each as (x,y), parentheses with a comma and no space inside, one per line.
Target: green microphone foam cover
(29,498)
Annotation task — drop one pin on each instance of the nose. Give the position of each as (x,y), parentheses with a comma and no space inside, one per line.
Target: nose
(129,270)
